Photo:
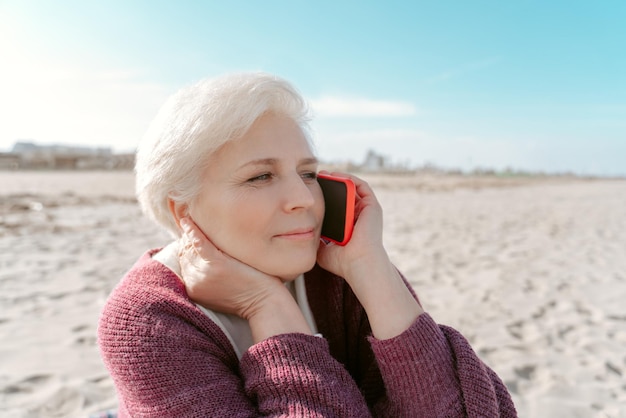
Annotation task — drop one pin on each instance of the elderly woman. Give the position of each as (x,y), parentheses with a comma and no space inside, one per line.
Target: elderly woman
(247,312)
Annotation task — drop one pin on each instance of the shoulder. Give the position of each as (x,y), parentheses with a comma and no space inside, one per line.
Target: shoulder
(158,346)
(148,303)
(148,282)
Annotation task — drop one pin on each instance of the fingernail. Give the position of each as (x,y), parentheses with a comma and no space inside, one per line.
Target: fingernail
(184,223)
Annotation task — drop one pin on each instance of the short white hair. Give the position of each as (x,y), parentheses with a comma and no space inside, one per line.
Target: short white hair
(193,124)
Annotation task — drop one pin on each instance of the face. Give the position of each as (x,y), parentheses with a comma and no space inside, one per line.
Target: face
(260,201)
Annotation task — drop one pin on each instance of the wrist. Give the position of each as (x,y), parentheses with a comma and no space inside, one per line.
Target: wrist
(388,302)
(374,265)
(277,314)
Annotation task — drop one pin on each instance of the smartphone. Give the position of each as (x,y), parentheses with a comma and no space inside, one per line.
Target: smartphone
(339,197)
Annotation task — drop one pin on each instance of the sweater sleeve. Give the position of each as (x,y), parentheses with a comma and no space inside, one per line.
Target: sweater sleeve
(163,365)
(429,370)
(295,375)
(166,358)
(432,371)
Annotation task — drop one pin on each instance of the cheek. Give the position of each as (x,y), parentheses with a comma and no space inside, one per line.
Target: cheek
(232,225)
(319,207)
(210,218)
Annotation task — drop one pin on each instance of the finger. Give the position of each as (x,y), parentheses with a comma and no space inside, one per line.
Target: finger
(190,242)
(187,254)
(363,188)
(191,230)
(183,245)
(200,242)
(328,256)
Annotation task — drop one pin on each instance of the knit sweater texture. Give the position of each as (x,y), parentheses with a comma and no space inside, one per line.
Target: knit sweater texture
(168,359)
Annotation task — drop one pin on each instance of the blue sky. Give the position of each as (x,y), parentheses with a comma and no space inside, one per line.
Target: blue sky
(527,84)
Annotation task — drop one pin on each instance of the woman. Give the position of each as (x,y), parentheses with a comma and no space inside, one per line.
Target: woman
(248,313)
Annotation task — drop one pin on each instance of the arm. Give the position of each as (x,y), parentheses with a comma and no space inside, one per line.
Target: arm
(169,359)
(364,264)
(164,357)
(304,379)
(425,372)
(431,370)
(428,370)
(222,283)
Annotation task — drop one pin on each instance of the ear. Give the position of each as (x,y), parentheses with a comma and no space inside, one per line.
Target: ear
(178,210)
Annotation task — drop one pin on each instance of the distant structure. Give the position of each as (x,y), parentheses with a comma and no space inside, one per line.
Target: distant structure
(375,162)
(30,156)
(379,163)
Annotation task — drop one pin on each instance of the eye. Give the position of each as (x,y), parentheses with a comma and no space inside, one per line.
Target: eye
(309,175)
(260,178)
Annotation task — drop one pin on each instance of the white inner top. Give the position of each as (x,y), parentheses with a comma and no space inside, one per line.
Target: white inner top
(237,329)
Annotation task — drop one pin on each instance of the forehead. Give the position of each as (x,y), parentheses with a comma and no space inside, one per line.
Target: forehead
(271,136)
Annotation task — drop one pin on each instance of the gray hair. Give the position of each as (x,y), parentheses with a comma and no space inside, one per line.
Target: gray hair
(193,124)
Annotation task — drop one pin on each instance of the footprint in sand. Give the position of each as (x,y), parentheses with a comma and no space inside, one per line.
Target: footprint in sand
(28,385)
(63,402)
(84,335)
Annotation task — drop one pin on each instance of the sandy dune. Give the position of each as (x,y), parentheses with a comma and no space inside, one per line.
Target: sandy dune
(532,272)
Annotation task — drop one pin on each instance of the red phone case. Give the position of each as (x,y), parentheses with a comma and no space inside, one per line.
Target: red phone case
(350,200)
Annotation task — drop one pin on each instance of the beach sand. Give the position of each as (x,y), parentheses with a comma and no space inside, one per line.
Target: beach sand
(531,271)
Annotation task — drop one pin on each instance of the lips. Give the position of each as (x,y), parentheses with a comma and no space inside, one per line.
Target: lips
(298,233)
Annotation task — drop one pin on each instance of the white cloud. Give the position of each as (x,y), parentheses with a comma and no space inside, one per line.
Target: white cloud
(335,106)
(49,98)
(55,102)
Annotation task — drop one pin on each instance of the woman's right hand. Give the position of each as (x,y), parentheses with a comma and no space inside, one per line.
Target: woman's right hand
(217,281)
(224,284)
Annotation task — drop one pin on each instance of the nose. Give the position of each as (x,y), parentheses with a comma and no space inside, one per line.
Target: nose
(298,194)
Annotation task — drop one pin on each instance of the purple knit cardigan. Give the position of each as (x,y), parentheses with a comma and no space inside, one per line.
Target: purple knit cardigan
(168,359)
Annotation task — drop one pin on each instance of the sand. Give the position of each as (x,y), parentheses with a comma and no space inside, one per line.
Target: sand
(531,271)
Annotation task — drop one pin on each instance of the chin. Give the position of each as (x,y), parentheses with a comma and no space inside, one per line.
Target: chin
(291,274)
(288,279)
(287,265)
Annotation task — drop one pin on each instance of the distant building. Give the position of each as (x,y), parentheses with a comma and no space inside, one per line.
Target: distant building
(28,155)
(375,162)
(378,163)
(9,161)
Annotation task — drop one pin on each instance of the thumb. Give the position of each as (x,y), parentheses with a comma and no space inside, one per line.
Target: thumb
(328,256)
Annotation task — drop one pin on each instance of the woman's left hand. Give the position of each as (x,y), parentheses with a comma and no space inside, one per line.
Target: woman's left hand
(366,244)
(363,262)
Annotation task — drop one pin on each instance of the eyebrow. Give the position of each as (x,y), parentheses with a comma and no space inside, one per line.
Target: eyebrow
(274,161)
